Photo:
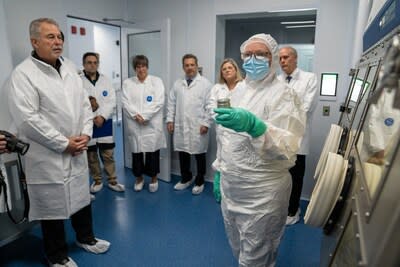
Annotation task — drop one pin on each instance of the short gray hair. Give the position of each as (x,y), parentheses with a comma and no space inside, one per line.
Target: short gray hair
(34,27)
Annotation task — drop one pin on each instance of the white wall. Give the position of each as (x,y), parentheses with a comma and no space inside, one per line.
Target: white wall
(193,29)
(19,13)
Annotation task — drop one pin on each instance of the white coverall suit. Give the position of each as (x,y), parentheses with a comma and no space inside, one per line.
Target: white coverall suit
(255,178)
(48,107)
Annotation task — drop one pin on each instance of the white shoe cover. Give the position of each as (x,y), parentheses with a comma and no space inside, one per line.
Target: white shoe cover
(101,246)
(117,187)
(70,263)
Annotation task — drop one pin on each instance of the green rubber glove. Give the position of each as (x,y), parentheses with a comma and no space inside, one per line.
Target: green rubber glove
(216,189)
(240,120)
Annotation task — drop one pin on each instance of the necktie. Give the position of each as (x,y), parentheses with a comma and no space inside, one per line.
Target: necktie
(189,81)
(288,78)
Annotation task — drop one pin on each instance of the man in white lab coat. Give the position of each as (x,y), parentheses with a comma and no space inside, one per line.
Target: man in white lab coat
(102,98)
(187,119)
(305,85)
(51,111)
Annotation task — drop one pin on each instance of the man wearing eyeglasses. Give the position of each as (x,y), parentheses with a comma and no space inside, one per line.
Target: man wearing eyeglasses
(259,140)
(102,99)
(305,85)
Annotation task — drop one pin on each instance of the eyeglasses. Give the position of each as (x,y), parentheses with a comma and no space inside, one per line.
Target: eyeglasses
(257,55)
(92,62)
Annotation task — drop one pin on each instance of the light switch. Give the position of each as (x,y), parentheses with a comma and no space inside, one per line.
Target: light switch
(326,110)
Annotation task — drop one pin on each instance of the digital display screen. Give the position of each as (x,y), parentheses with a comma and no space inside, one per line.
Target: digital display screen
(329,84)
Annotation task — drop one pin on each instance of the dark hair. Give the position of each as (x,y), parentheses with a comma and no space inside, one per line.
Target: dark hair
(189,56)
(88,54)
(140,60)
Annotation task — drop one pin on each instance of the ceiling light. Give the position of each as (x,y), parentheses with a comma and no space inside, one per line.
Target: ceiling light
(298,22)
(293,10)
(300,26)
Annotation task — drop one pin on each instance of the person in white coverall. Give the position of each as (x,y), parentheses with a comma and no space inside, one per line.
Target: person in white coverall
(305,85)
(230,86)
(143,98)
(102,98)
(258,145)
(51,111)
(188,120)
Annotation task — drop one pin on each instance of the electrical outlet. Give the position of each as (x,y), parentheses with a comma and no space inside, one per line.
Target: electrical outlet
(326,110)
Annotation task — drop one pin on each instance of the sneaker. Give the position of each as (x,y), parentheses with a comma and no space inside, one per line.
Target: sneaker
(100,246)
(92,197)
(67,262)
(290,220)
(117,187)
(95,187)
(139,186)
(153,187)
(182,186)
(197,189)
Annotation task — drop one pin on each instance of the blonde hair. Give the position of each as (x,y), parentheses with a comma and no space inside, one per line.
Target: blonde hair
(235,65)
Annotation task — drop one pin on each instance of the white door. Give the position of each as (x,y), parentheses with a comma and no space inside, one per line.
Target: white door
(152,39)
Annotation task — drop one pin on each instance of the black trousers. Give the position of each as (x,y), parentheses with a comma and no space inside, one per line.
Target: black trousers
(186,174)
(147,163)
(55,245)
(297,172)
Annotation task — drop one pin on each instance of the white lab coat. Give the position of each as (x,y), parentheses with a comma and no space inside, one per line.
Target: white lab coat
(220,91)
(305,85)
(187,109)
(47,107)
(104,93)
(255,178)
(146,99)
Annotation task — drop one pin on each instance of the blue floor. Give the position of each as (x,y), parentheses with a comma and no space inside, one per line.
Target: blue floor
(167,228)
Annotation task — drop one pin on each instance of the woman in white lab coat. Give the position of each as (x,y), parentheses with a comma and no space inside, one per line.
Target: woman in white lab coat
(143,104)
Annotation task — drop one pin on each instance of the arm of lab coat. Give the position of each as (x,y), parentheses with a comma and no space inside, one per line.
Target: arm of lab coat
(127,105)
(206,119)
(171,106)
(211,103)
(286,127)
(310,94)
(158,100)
(24,109)
(87,115)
